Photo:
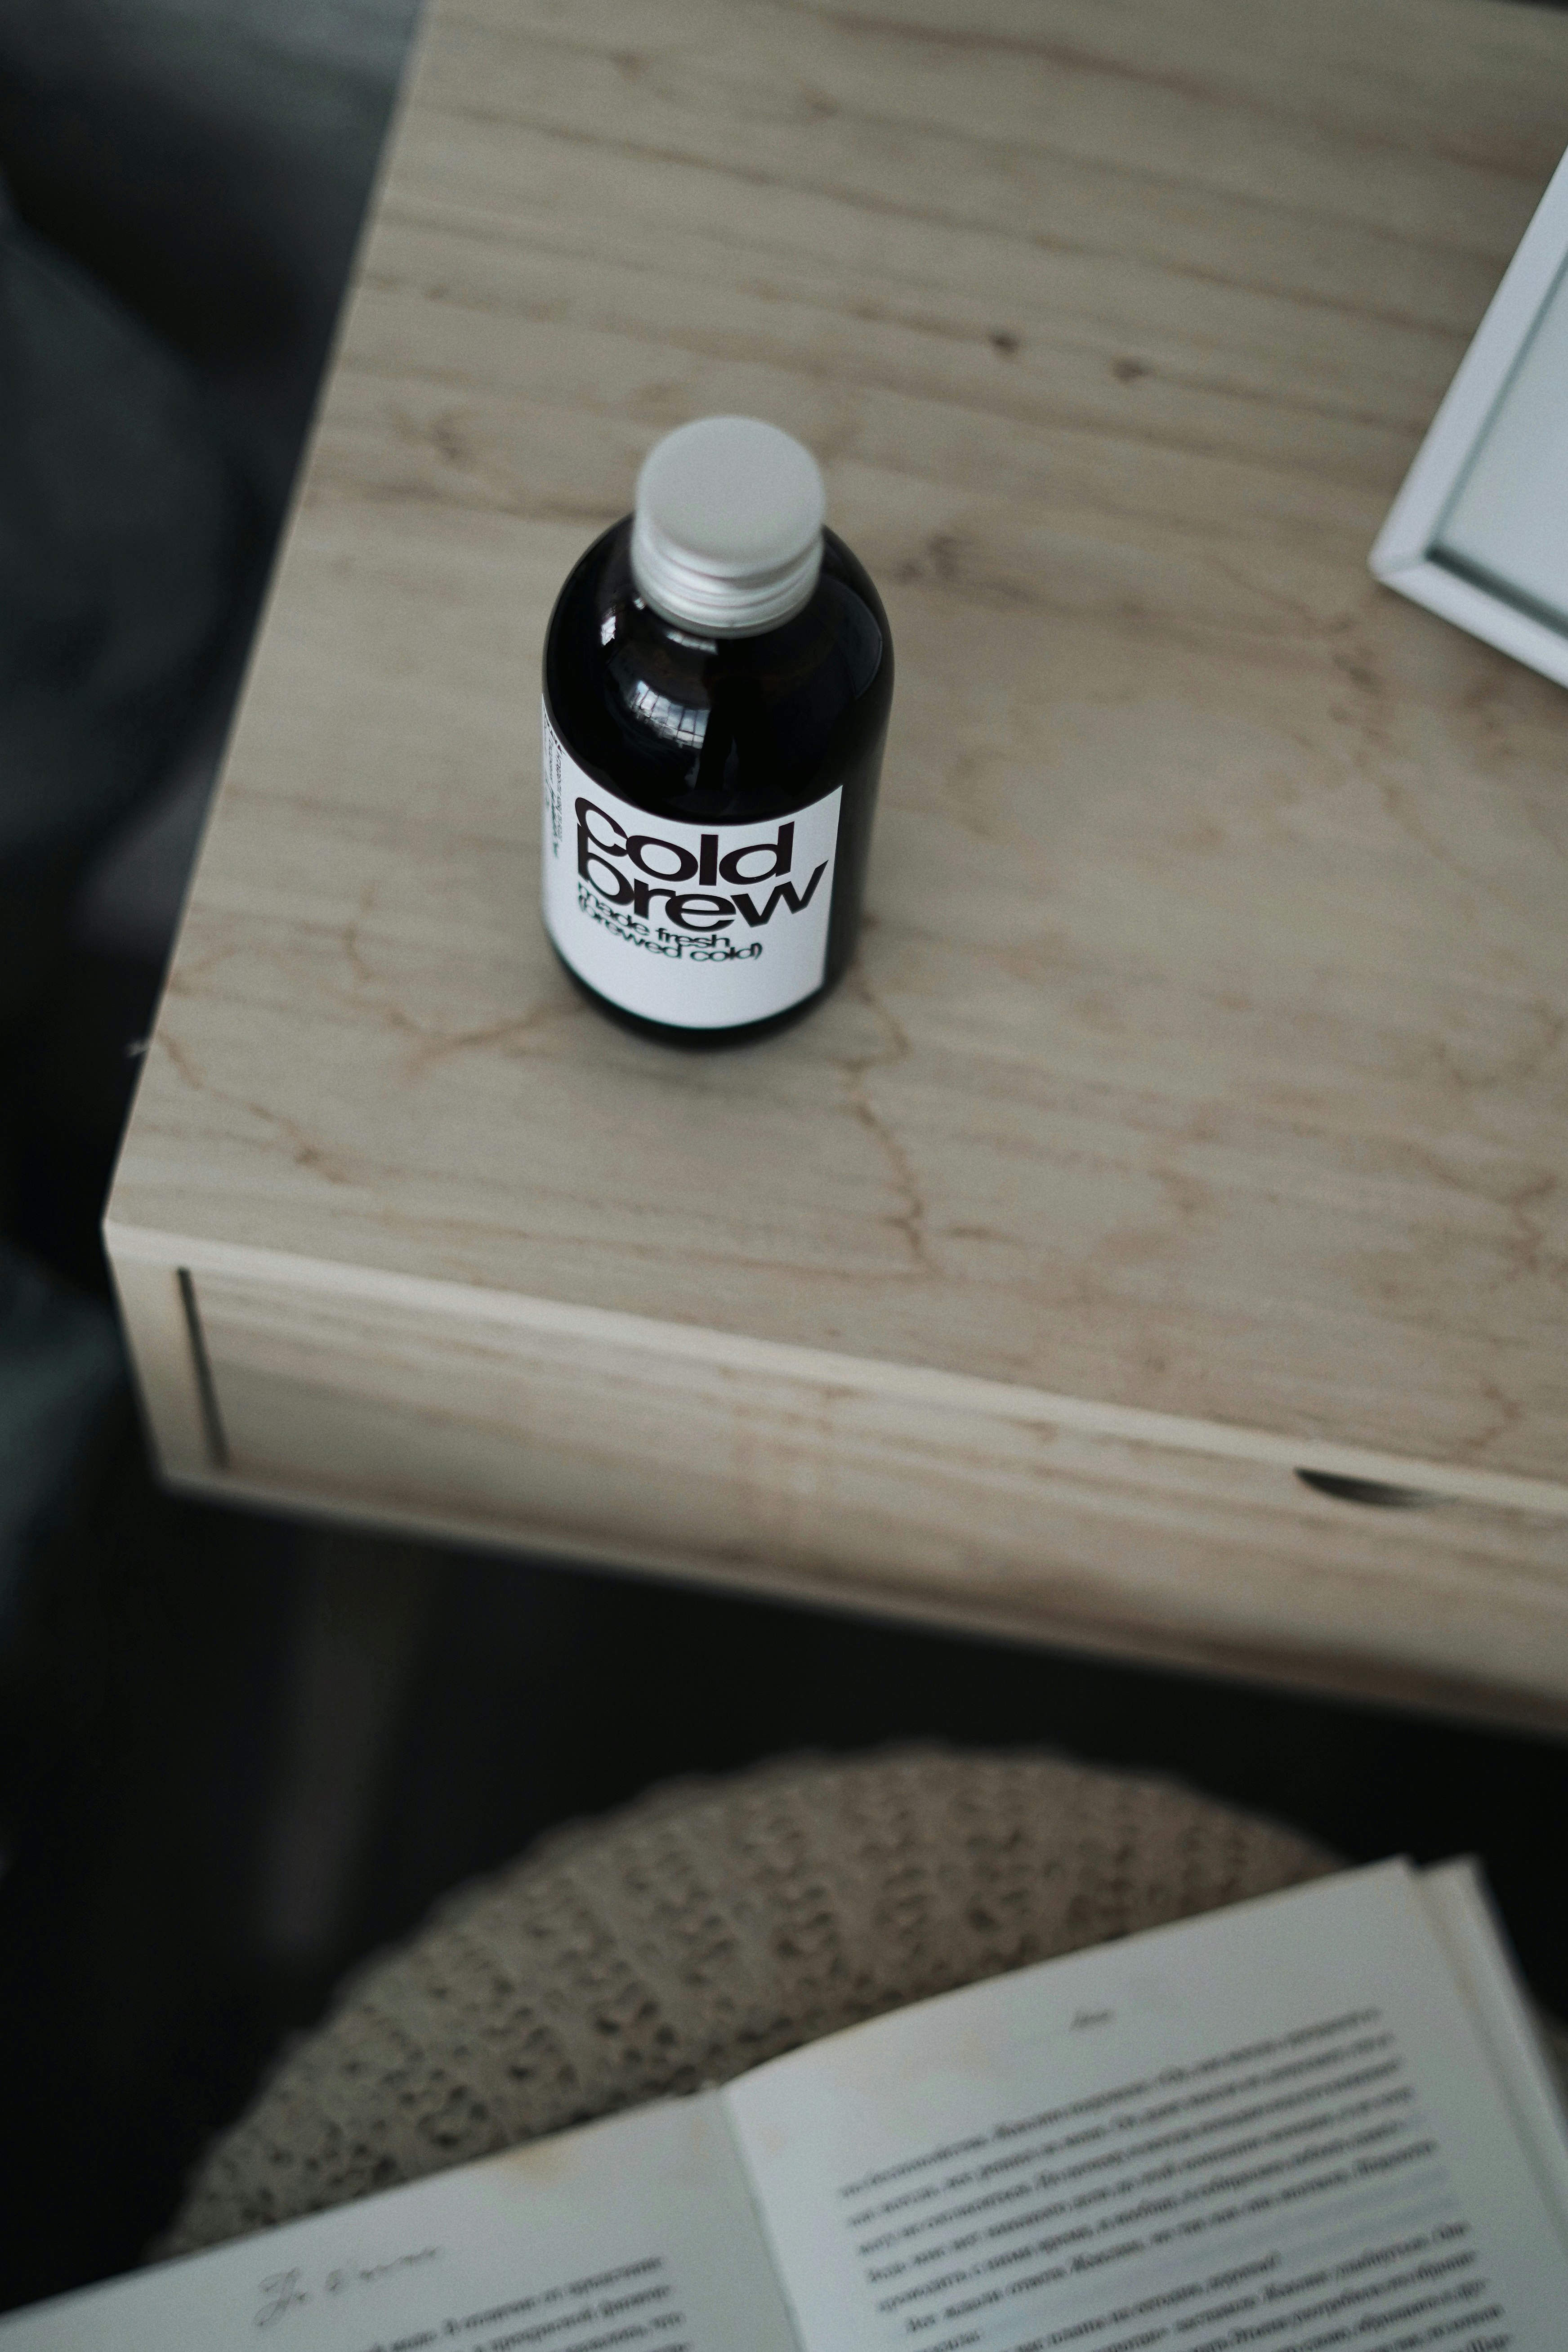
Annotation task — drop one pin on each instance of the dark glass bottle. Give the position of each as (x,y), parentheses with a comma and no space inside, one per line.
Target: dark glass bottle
(710,789)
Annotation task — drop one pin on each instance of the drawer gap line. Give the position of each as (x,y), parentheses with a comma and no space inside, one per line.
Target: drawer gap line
(213,1430)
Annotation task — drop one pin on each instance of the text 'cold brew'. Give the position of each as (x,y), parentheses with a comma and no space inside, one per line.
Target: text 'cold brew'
(718,675)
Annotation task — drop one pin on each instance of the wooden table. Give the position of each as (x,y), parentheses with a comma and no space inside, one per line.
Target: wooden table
(1194,1117)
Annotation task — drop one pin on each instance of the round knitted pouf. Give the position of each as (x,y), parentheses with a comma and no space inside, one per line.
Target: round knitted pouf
(709,1926)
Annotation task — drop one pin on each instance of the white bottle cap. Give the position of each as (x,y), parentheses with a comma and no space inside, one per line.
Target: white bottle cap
(727,534)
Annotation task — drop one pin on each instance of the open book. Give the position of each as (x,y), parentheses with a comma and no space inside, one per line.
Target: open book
(1313,2120)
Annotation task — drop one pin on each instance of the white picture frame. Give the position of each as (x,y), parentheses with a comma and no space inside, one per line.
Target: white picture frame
(1486,422)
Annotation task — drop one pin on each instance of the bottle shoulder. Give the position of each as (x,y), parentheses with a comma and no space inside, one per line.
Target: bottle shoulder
(722,731)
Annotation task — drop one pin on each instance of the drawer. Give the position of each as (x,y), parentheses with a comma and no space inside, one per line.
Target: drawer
(845,1482)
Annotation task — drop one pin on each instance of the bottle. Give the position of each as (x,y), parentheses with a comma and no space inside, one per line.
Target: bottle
(718,675)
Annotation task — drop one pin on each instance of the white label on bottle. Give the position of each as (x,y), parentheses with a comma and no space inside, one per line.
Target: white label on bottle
(704,927)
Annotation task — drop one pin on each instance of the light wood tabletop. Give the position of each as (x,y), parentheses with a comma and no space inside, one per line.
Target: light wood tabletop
(1195,1115)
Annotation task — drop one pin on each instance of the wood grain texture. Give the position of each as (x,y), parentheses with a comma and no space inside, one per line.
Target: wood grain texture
(992,1505)
(1206,1054)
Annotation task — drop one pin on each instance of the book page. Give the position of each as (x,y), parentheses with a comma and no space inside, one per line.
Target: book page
(1457,1902)
(636,2234)
(1272,2127)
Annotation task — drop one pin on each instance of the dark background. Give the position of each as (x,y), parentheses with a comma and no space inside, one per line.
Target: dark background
(238,1754)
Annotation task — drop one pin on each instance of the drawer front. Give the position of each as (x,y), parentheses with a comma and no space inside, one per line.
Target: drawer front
(844,1483)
